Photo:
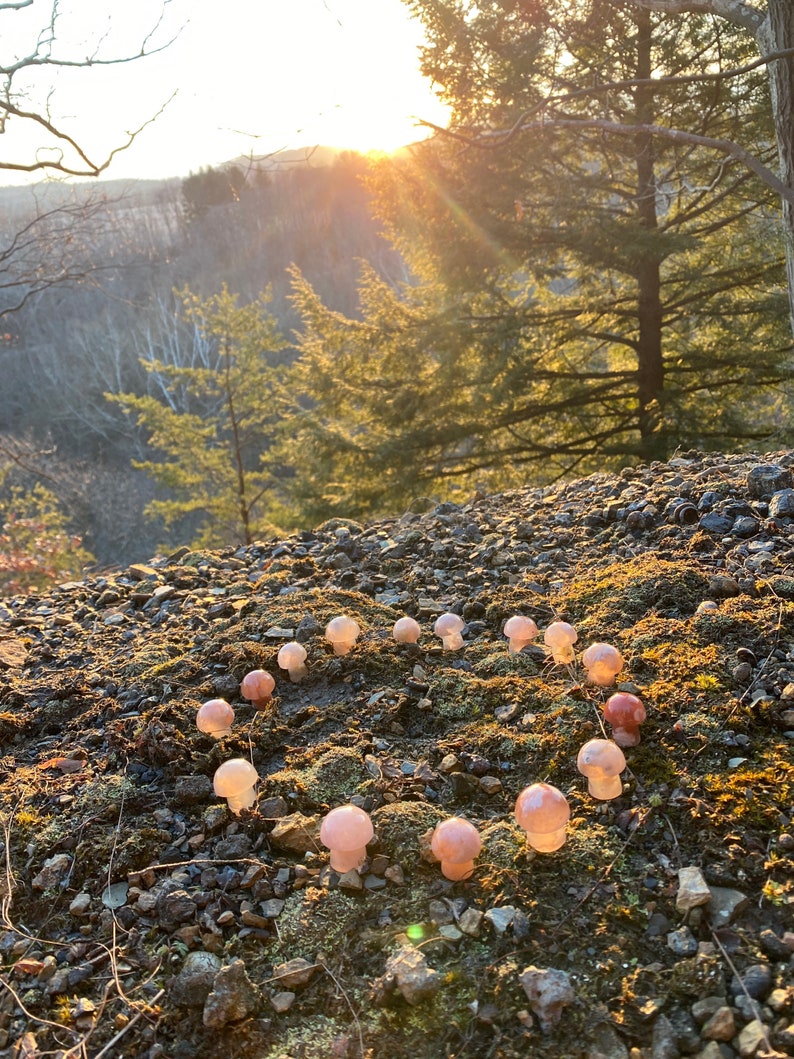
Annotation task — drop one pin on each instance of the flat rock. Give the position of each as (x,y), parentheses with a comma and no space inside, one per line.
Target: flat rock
(726,903)
(297,832)
(692,889)
(294,973)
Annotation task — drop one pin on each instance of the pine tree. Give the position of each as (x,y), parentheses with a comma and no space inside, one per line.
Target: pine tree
(582,297)
(212,426)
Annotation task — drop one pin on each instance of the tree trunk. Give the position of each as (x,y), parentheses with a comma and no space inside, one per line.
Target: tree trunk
(776,34)
(650,366)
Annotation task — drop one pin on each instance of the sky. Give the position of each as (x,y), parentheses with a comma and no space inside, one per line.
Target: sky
(245,76)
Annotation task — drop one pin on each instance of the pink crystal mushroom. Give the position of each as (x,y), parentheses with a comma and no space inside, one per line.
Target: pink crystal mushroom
(215,717)
(346,832)
(235,780)
(257,686)
(560,637)
(543,812)
(292,657)
(625,712)
(603,663)
(342,633)
(406,630)
(520,631)
(602,762)
(456,843)
(449,628)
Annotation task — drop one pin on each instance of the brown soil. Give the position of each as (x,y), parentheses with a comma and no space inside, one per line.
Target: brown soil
(104,775)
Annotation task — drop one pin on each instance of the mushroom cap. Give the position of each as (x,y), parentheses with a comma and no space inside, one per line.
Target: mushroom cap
(258,684)
(600,758)
(233,777)
(447,624)
(342,630)
(560,634)
(603,655)
(291,654)
(456,840)
(623,708)
(406,630)
(215,715)
(520,628)
(346,828)
(541,808)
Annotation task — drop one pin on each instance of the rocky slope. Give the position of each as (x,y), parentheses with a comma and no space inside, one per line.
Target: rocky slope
(140,918)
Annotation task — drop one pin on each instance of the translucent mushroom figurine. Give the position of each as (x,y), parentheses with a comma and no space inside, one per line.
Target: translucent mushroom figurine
(342,633)
(456,843)
(346,832)
(625,712)
(215,717)
(520,631)
(257,686)
(292,657)
(560,637)
(543,812)
(449,627)
(406,630)
(603,663)
(235,780)
(602,762)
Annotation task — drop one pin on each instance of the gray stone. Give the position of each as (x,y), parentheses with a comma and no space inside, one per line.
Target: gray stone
(409,970)
(548,991)
(782,504)
(189,790)
(606,1044)
(702,1010)
(470,921)
(755,981)
(191,987)
(80,905)
(500,918)
(663,1041)
(713,522)
(685,1029)
(282,1001)
(235,847)
(233,997)
(174,907)
(682,942)
(725,904)
(766,479)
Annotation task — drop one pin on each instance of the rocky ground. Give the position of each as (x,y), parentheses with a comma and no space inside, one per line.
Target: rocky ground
(141,919)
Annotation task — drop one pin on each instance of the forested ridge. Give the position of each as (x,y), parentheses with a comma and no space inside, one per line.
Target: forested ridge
(587,269)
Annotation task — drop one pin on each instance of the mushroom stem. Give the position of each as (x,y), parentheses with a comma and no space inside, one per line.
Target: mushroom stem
(453,642)
(547,841)
(344,860)
(605,788)
(243,800)
(457,870)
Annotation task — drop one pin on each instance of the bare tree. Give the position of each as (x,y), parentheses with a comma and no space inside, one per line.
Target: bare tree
(42,137)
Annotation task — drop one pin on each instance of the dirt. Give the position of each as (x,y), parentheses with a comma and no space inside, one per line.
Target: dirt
(120,862)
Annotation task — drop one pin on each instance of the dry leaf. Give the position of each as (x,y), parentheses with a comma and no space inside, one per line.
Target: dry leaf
(65,764)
